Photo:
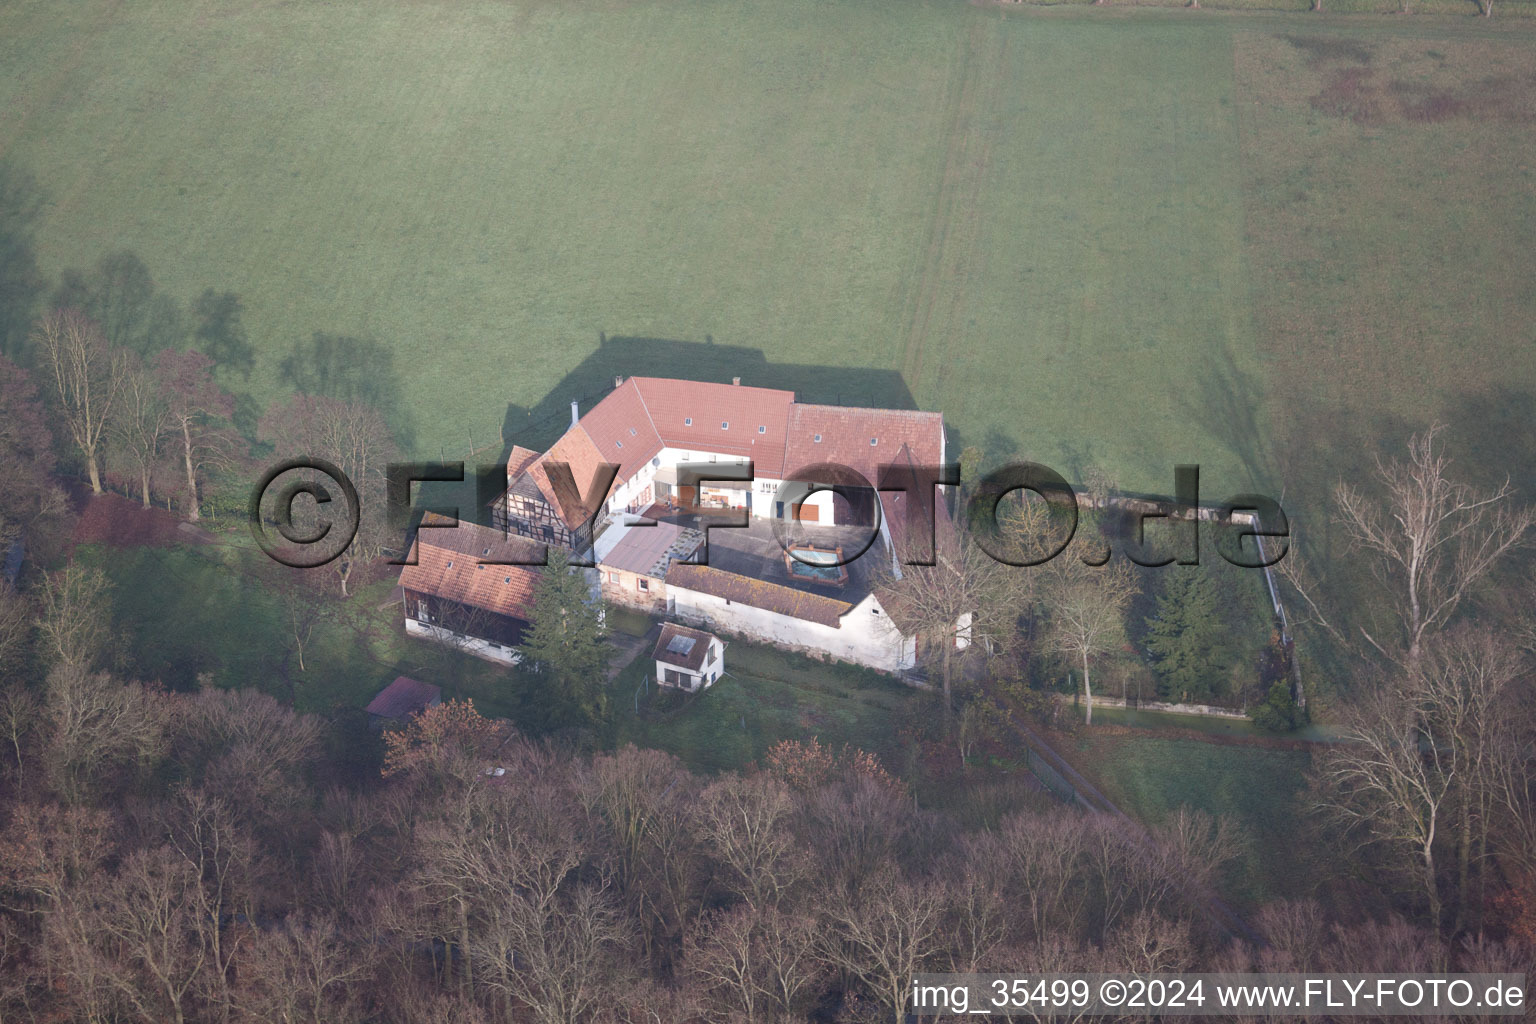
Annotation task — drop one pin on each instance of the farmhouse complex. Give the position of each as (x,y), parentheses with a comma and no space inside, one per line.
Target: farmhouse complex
(710,478)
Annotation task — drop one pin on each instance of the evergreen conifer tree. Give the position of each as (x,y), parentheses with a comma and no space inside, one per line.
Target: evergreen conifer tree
(565,644)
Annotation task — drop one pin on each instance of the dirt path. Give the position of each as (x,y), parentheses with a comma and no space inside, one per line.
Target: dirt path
(627,648)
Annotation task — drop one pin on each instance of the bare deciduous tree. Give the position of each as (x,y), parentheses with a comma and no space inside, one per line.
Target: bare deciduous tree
(96,727)
(886,936)
(964,598)
(1432,537)
(198,411)
(140,424)
(745,823)
(20,716)
(31,500)
(74,629)
(87,374)
(1467,694)
(149,929)
(1086,607)
(303,972)
(353,436)
(1384,778)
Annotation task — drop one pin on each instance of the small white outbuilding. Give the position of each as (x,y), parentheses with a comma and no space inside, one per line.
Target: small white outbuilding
(689,659)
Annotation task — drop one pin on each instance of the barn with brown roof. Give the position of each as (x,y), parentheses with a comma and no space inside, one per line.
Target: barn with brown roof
(470,586)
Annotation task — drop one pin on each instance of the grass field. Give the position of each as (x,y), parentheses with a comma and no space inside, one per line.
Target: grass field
(766,696)
(1125,238)
(180,613)
(1260,789)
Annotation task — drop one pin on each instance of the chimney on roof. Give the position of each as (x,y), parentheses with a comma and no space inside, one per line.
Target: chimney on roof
(736,381)
(618,380)
(575,412)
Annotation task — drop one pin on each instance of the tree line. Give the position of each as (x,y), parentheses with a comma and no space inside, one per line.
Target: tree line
(184,857)
(1417,649)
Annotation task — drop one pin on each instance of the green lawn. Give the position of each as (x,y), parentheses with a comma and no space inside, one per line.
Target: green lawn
(1260,789)
(767,696)
(1125,238)
(180,613)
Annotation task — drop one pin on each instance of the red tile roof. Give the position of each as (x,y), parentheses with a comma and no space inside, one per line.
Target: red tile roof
(672,403)
(694,659)
(846,433)
(577,451)
(451,564)
(645,414)
(404,696)
(520,459)
(758,593)
(620,429)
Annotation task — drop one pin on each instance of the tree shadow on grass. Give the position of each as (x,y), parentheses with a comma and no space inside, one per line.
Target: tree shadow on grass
(21,283)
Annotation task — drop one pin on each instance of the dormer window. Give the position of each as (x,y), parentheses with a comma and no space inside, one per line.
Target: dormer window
(873,441)
(450,564)
(817,439)
(618,444)
(481,565)
(507,580)
(762,430)
(725,425)
(631,431)
(687,421)
(486,551)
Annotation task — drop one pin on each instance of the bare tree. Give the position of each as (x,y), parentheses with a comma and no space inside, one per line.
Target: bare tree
(353,436)
(304,972)
(20,714)
(886,936)
(1086,607)
(204,832)
(48,849)
(198,411)
(97,727)
(1038,858)
(148,929)
(140,423)
(31,500)
(964,598)
(721,950)
(745,823)
(306,609)
(1432,537)
(74,629)
(787,952)
(1385,779)
(87,374)
(1467,691)
(649,803)
(17,622)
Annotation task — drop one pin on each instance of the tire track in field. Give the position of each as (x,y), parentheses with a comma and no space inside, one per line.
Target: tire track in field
(951,256)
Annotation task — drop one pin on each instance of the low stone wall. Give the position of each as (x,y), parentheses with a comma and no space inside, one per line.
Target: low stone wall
(1166,708)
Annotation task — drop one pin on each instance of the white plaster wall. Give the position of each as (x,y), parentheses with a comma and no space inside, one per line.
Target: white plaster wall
(864,637)
(711,667)
(479,648)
